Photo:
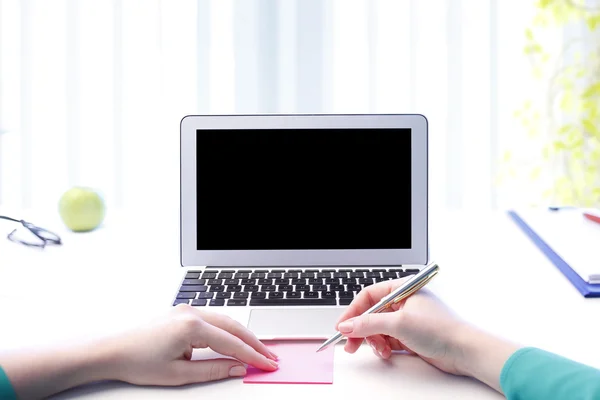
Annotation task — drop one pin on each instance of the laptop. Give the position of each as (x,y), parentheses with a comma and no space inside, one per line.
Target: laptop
(286,218)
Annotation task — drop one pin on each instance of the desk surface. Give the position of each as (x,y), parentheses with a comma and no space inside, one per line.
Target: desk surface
(128,271)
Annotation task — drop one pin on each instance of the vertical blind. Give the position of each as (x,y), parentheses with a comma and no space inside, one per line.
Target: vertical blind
(92,92)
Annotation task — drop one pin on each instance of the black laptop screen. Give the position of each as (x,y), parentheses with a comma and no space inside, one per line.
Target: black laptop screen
(295,189)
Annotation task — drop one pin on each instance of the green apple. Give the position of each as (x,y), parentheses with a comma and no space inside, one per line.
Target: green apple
(81,209)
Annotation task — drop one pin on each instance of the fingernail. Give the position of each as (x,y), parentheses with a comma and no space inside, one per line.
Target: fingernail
(273,356)
(373,346)
(346,327)
(377,353)
(274,363)
(238,370)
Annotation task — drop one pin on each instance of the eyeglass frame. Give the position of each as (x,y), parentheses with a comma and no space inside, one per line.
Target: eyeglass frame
(51,237)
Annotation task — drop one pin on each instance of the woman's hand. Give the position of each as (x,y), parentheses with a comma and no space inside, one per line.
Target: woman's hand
(157,354)
(422,325)
(160,354)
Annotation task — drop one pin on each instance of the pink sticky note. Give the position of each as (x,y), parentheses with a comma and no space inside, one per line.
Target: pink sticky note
(298,363)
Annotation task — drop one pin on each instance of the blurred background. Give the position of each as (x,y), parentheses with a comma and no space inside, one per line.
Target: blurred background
(92,92)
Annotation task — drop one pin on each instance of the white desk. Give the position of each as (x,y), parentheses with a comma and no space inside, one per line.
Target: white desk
(96,283)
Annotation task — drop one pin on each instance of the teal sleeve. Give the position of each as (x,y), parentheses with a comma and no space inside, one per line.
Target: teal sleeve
(531,374)
(6,390)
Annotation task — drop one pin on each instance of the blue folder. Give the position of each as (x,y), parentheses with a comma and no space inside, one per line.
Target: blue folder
(586,289)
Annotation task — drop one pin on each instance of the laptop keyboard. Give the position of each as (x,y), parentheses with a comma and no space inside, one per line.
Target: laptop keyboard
(280,287)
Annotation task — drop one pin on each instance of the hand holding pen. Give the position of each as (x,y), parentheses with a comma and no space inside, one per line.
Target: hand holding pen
(424,326)
(402,291)
(419,323)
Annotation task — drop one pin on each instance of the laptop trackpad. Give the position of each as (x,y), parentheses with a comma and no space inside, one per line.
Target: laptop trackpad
(294,323)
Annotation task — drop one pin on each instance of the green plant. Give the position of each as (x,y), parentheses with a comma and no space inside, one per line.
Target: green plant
(567,122)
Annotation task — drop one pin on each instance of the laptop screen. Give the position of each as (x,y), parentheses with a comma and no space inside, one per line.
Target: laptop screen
(303,189)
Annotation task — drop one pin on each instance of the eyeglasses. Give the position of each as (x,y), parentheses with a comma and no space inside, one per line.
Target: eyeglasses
(43,237)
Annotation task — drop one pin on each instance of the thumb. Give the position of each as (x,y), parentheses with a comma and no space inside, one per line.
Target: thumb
(369,325)
(211,370)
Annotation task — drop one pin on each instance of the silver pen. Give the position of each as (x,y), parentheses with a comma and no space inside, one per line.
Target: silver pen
(409,287)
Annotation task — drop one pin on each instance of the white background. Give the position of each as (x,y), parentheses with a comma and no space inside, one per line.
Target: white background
(92,92)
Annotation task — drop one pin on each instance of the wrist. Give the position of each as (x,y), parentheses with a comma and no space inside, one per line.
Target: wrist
(48,371)
(97,361)
(481,355)
(464,345)
(457,347)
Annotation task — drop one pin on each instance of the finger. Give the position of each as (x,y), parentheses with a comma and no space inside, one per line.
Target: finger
(394,343)
(386,353)
(378,343)
(381,349)
(373,346)
(207,370)
(376,353)
(366,299)
(223,342)
(237,329)
(370,324)
(369,296)
(409,351)
(352,344)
